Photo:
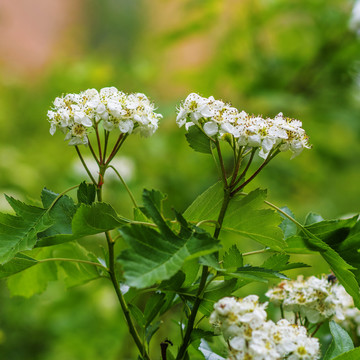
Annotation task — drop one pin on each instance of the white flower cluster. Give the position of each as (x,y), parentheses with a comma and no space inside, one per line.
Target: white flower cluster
(76,114)
(349,315)
(250,336)
(314,298)
(218,119)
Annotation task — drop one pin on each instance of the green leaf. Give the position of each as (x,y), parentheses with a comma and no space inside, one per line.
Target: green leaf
(288,227)
(280,262)
(153,307)
(35,279)
(243,216)
(341,342)
(248,271)
(86,193)
(155,256)
(19,233)
(61,213)
(88,220)
(137,314)
(18,263)
(312,218)
(353,354)
(198,140)
(233,258)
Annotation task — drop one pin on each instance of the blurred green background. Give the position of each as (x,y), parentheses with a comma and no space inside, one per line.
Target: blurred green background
(263,56)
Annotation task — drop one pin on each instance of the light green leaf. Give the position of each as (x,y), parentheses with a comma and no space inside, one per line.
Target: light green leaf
(153,307)
(198,140)
(35,279)
(243,216)
(312,218)
(232,258)
(341,342)
(19,233)
(155,256)
(247,271)
(288,226)
(353,354)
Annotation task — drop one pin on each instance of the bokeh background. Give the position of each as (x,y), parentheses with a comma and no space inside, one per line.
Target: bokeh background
(300,57)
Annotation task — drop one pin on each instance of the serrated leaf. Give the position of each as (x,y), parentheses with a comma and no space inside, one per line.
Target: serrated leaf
(232,258)
(86,193)
(341,342)
(19,233)
(280,262)
(198,140)
(243,216)
(259,272)
(155,256)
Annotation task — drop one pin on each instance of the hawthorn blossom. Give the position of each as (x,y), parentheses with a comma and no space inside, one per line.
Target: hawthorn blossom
(218,120)
(76,115)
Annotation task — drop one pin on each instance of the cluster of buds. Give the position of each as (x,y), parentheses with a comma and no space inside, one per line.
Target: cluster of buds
(250,336)
(218,119)
(313,298)
(77,114)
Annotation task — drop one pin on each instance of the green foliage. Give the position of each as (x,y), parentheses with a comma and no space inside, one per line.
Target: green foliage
(158,255)
(198,140)
(243,216)
(349,355)
(19,233)
(86,193)
(340,344)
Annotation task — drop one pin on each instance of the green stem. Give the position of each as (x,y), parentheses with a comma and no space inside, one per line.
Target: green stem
(243,174)
(202,286)
(99,143)
(125,185)
(106,136)
(267,160)
(256,252)
(93,153)
(116,148)
(112,273)
(85,166)
(75,261)
(223,172)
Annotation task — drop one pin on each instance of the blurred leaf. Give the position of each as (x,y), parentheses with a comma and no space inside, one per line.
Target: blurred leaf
(137,314)
(154,256)
(341,342)
(243,216)
(86,193)
(151,329)
(198,140)
(19,233)
(248,271)
(153,307)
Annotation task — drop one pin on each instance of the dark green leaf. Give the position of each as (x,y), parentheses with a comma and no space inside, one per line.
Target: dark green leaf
(198,140)
(153,307)
(86,193)
(19,233)
(341,342)
(258,272)
(61,213)
(155,256)
(137,314)
(150,330)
